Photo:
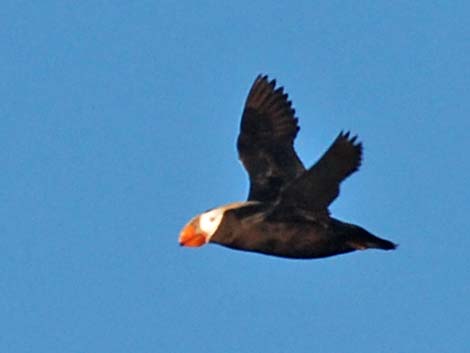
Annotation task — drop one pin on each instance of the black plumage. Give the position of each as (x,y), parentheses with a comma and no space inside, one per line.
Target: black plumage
(265,143)
(286,213)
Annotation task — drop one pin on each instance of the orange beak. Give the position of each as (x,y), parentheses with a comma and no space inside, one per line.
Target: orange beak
(189,237)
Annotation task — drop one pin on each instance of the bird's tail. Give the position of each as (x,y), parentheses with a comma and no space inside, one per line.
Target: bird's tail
(361,239)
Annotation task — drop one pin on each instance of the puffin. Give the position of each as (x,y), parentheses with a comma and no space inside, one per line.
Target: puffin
(286,213)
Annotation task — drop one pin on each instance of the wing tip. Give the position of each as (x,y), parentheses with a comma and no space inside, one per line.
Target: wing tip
(346,136)
(352,140)
(264,78)
(268,99)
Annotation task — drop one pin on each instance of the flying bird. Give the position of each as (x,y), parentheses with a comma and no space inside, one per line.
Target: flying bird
(286,213)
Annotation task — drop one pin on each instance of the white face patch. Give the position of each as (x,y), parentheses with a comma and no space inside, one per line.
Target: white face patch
(210,221)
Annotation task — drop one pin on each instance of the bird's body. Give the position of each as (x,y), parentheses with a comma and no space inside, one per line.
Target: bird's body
(248,227)
(286,213)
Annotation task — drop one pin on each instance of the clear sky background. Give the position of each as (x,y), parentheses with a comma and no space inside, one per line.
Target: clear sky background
(118,123)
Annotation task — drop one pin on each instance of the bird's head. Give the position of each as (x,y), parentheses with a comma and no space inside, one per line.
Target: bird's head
(199,230)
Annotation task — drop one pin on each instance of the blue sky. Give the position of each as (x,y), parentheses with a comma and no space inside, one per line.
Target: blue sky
(118,124)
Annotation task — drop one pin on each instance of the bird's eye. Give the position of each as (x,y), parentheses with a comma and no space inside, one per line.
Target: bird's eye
(212,219)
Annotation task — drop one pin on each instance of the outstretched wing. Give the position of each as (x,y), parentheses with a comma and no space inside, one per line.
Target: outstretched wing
(265,143)
(316,189)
